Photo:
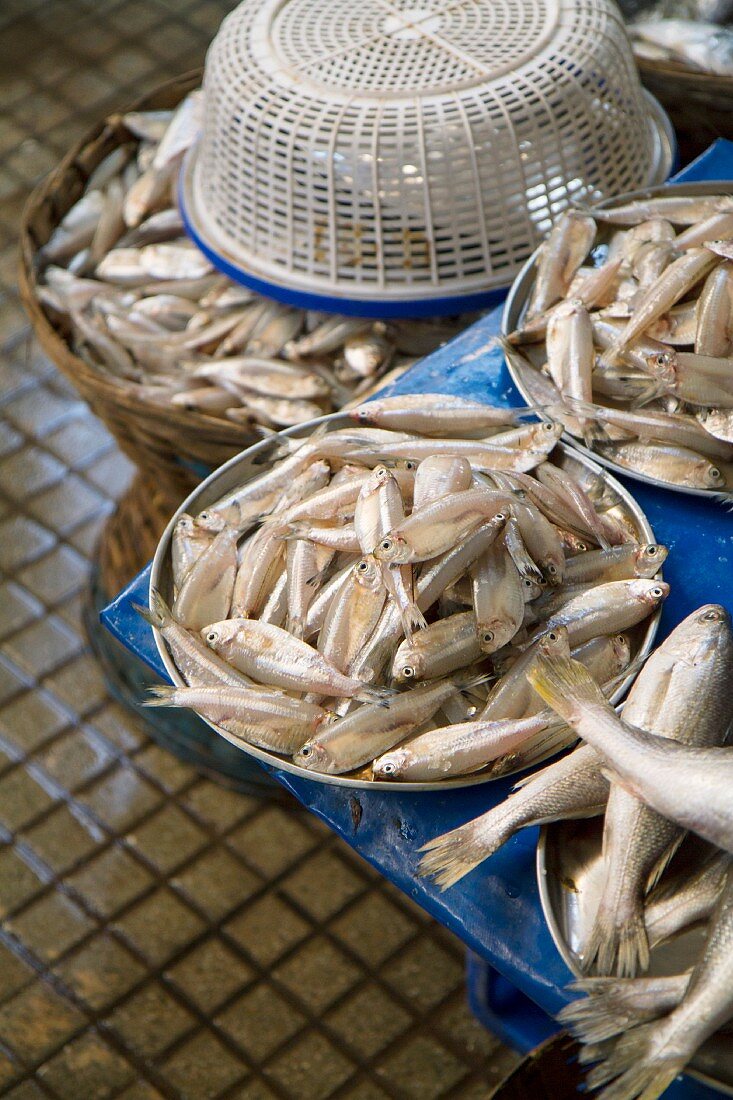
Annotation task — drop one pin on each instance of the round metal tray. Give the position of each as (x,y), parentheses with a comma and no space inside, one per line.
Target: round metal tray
(518,297)
(251,463)
(569,875)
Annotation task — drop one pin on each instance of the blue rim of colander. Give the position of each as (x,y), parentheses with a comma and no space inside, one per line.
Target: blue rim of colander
(385,309)
(403,307)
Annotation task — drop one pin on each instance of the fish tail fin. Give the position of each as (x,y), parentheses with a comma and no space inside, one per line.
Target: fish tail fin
(471,682)
(413,620)
(160,695)
(613,355)
(158,611)
(381,696)
(649,394)
(451,856)
(619,945)
(602,1014)
(563,684)
(724,498)
(641,1063)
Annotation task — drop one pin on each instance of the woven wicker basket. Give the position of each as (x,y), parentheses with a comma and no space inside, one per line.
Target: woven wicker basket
(174,447)
(700,105)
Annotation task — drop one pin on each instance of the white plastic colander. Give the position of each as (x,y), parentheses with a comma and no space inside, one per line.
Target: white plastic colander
(404,157)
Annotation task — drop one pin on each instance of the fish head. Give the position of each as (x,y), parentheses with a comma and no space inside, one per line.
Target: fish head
(493,634)
(573,543)
(621,650)
(553,568)
(407,666)
(649,559)
(546,432)
(531,589)
(712,476)
(210,520)
(185,524)
(392,548)
(379,476)
(554,643)
(699,635)
(313,756)
(661,365)
(365,414)
(218,634)
(391,765)
(368,573)
(650,592)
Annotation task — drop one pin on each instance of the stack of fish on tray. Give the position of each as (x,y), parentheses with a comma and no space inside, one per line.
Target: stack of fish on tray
(635,355)
(695,33)
(146,307)
(350,606)
(659,771)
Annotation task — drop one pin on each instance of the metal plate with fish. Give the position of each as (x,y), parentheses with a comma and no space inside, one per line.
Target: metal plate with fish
(570,879)
(515,311)
(253,461)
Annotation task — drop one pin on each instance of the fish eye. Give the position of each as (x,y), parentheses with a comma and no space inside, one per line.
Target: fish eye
(500,517)
(620,639)
(711,616)
(552,636)
(547,427)
(408,672)
(386,544)
(657,592)
(527,582)
(487,636)
(714,472)
(410,464)
(388,768)
(551,569)
(211,636)
(204,515)
(362,566)
(306,751)
(661,359)
(652,550)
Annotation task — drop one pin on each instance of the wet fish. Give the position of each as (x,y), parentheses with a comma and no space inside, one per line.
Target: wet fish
(648,1057)
(271,655)
(686,784)
(357,738)
(275,722)
(571,787)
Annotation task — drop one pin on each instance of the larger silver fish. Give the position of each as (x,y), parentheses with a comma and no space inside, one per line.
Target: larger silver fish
(686,784)
(571,787)
(647,1058)
(637,842)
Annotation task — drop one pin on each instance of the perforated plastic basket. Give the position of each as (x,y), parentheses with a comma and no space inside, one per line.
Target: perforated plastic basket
(405,156)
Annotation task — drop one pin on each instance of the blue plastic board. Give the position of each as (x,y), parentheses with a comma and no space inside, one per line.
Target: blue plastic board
(496,910)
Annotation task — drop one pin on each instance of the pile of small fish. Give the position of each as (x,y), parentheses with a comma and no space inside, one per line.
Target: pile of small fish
(635,355)
(370,604)
(695,33)
(142,304)
(658,771)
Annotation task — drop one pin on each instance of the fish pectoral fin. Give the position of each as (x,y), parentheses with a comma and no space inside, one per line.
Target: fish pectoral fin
(663,862)
(566,686)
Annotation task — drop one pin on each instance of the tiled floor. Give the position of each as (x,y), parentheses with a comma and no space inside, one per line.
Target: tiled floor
(160,935)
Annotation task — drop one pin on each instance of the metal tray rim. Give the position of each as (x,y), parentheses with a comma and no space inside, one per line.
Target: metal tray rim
(568,956)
